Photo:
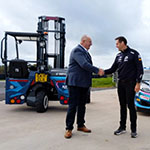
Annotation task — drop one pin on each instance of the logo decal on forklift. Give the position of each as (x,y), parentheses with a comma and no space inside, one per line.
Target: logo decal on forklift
(41,77)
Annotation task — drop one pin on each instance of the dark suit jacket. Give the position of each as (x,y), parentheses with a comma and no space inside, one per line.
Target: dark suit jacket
(80,68)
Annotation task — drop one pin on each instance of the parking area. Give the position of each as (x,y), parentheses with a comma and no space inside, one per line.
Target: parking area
(22,128)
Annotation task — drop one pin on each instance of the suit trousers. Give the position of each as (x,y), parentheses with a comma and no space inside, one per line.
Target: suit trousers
(77,102)
(126,95)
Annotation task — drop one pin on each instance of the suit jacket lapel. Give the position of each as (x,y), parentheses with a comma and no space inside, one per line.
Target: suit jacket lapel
(87,54)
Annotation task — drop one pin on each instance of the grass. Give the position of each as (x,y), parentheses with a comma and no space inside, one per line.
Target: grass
(102,82)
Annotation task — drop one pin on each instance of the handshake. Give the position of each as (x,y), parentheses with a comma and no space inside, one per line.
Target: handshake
(101,72)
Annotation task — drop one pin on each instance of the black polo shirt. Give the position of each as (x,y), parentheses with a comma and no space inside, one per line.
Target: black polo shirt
(128,63)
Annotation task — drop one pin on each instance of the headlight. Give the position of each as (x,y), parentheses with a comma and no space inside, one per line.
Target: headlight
(22,97)
(145,88)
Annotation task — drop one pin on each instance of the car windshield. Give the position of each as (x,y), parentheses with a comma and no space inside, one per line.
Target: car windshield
(146,75)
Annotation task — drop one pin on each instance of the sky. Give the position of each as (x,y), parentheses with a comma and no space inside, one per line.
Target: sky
(102,20)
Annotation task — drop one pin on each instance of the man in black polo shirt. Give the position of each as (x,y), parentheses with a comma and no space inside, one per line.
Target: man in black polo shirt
(128,63)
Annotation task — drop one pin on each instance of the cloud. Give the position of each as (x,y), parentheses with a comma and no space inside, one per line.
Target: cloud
(102,20)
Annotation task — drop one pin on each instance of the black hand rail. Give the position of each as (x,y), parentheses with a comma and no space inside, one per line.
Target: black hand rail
(2,49)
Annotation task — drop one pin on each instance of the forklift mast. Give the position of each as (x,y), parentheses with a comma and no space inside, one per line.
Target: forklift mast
(59,41)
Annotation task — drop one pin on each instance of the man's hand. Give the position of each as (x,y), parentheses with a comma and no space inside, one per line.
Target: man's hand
(137,87)
(101,72)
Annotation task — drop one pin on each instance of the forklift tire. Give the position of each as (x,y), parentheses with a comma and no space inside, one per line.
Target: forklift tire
(41,102)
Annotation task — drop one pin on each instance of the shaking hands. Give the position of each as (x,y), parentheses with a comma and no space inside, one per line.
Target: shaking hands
(101,72)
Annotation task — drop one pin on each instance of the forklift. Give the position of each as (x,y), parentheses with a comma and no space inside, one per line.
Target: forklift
(34,81)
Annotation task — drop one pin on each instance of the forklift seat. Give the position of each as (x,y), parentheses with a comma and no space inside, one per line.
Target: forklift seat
(18,69)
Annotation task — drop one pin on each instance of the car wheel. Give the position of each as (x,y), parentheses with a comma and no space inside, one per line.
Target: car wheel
(137,109)
(41,101)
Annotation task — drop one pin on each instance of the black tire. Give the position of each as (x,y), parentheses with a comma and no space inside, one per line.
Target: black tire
(41,102)
(138,109)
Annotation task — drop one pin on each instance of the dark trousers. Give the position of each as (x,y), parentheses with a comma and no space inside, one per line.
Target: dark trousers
(77,101)
(126,95)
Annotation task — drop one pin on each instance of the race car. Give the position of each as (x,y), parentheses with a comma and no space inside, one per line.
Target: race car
(142,98)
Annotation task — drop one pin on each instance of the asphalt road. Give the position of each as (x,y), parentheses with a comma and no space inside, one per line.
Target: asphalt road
(2,90)
(22,128)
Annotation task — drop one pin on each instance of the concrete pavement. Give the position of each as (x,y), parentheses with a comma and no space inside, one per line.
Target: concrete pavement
(21,128)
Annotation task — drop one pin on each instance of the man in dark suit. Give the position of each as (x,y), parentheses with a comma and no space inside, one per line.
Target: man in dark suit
(79,77)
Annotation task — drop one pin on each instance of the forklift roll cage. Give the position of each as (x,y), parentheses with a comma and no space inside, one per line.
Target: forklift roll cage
(36,84)
(41,37)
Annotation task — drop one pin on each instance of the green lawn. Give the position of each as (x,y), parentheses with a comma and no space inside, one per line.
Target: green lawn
(102,82)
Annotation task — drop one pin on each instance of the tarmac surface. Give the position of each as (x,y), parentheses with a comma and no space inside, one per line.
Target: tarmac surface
(2,90)
(22,128)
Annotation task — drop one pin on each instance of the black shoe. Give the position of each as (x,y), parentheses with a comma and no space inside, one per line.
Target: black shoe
(133,134)
(119,131)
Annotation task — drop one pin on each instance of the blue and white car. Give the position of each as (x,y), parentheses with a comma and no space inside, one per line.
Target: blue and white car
(142,98)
